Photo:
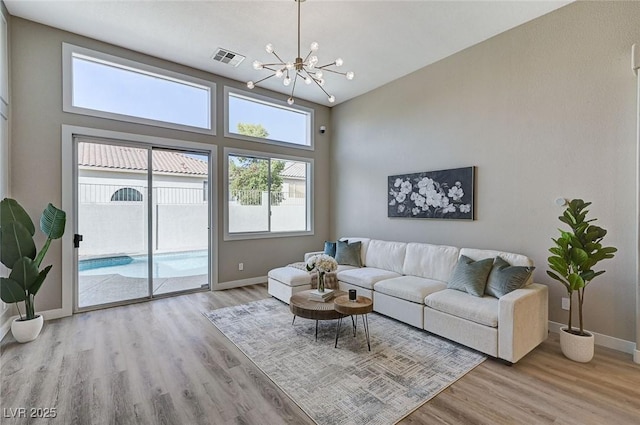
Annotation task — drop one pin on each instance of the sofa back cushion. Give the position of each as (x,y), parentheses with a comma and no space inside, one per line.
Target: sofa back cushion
(512,259)
(363,248)
(386,255)
(430,261)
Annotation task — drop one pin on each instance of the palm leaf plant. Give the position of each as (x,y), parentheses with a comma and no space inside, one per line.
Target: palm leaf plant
(575,254)
(18,252)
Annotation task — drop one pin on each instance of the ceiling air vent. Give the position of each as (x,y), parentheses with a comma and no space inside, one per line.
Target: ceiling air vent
(225,56)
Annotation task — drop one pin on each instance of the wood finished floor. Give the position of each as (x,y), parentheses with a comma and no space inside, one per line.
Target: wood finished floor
(162,362)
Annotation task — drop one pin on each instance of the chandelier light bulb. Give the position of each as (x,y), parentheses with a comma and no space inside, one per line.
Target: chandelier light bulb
(339,62)
(269,48)
(307,80)
(350,75)
(332,99)
(251,84)
(319,74)
(279,73)
(290,101)
(257,65)
(286,81)
(314,46)
(289,66)
(321,82)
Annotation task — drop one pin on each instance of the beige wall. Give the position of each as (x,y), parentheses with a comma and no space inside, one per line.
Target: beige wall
(545,110)
(36,65)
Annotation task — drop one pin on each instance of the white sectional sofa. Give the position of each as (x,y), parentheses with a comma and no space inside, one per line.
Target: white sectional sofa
(408,282)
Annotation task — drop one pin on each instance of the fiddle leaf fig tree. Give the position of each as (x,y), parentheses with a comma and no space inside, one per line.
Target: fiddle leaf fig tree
(575,254)
(18,252)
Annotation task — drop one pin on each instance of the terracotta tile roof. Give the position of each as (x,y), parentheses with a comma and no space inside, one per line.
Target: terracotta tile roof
(295,170)
(127,158)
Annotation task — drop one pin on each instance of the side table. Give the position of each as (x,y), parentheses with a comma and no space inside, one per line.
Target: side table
(361,306)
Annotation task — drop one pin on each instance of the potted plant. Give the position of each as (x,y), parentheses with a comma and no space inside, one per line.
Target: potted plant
(20,256)
(575,254)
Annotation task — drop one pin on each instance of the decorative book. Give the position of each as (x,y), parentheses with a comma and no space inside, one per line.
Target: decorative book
(325,296)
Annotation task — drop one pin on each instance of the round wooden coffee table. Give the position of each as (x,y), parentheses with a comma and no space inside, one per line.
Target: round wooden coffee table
(301,305)
(361,306)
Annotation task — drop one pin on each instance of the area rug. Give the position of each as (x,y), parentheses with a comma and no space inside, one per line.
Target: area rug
(346,385)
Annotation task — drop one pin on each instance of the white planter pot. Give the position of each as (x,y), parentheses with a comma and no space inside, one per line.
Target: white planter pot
(27,330)
(575,347)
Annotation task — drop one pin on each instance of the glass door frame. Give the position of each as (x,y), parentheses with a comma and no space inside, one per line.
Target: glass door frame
(69,203)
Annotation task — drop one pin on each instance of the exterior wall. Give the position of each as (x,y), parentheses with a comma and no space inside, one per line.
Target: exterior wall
(36,67)
(543,111)
(119,228)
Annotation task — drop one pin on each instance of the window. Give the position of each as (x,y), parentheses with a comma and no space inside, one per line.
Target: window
(265,120)
(267,196)
(127,194)
(106,86)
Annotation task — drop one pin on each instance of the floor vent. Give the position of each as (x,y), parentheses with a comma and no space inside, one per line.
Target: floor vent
(225,56)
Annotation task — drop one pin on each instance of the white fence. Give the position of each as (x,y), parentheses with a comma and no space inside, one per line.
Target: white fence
(90,193)
(179,216)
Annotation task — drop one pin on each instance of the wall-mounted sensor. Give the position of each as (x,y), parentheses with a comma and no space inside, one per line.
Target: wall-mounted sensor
(322,129)
(561,202)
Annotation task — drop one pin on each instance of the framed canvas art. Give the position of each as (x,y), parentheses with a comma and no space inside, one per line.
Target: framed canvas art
(443,194)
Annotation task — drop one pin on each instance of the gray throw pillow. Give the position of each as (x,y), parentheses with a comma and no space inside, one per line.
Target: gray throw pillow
(470,276)
(505,278)
(348,253)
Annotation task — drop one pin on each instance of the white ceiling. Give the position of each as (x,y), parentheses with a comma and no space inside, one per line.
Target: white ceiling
(379,40)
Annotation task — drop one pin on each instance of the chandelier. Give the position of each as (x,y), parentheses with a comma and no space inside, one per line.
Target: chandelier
(306,69)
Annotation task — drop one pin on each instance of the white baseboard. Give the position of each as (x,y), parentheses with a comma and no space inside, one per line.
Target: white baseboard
(636,355)
(239,283)
(604,341)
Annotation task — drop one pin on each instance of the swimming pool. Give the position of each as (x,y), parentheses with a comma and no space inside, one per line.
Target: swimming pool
(179,264)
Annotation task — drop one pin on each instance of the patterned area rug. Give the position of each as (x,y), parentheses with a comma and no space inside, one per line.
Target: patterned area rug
(346,385)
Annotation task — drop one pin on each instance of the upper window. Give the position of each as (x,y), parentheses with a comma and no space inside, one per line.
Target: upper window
(106,86)
(265,120)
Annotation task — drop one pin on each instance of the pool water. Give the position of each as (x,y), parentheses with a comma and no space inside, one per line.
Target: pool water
(181,264)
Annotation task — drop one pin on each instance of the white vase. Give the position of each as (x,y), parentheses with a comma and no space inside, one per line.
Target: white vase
(576,347)
(27,330)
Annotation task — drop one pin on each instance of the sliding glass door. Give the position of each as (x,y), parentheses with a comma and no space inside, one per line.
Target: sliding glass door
(142,222)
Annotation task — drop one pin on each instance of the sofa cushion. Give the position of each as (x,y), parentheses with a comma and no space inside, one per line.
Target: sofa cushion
(290,276)
(366,277)
(330,248)
(505,278)
(410,288)
(386,255)
(471,276)
(348,253)
(482,310)
(430,261)
(363,248)
(513,259)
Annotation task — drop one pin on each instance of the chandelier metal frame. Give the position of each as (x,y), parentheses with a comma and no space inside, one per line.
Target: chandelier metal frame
(304,68)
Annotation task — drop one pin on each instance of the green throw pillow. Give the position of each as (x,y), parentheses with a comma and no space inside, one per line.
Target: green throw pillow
(348,253)
(470,276)
(505,278)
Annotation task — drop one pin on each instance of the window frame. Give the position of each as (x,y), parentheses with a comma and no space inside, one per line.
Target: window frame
(228,236)
(70,50)
(228,91)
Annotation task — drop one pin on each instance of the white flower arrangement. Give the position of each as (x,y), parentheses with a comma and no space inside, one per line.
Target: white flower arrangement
(323,263)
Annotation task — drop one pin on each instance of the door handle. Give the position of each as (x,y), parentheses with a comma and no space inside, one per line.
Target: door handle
(76,240)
